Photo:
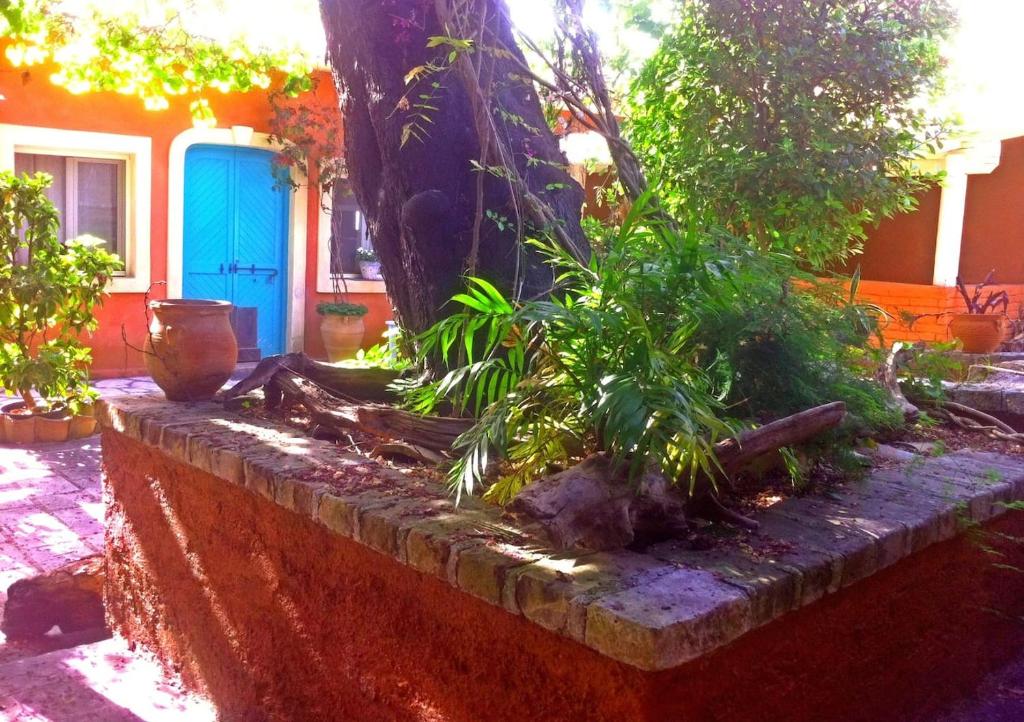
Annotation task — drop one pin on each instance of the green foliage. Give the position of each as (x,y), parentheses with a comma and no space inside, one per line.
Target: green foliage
(927,367)
(782,341)
(152,61)
(47,294)
(341,309)
(366,254)
(607,363)
(644,354)
(793,122)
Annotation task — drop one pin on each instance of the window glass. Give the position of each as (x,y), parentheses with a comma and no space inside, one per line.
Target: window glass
(56,166)
(348,232)
(98,196)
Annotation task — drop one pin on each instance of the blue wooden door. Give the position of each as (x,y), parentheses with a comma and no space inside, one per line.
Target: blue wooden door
(236,235)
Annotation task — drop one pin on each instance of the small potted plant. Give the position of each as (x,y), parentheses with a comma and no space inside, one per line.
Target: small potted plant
(983,327)
(48,291)
(341,327)
(369,264)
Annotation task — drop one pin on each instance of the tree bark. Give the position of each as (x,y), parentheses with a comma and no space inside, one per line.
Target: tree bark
(420,198)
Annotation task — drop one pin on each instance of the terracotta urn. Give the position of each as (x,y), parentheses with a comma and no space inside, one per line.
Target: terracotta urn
(342,335)
(191,349)
(979,332)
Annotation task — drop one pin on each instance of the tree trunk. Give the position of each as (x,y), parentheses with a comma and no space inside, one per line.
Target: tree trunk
(421,197)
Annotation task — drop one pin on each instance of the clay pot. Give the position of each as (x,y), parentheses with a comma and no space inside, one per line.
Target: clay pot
(191,349)
(342,335)
(53,425)
(19,423)
(979,332)
(82,425)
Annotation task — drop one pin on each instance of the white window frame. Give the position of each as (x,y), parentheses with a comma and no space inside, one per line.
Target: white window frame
(324,277)
(137,153)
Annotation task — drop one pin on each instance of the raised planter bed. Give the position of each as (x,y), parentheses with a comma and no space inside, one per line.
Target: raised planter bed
(289,581)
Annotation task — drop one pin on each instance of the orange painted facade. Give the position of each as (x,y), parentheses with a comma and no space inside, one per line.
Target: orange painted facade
(898,257)
(31,100)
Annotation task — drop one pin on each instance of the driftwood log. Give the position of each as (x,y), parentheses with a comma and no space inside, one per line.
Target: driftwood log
(350,383)
(70,597)
(336,397)
(592,506)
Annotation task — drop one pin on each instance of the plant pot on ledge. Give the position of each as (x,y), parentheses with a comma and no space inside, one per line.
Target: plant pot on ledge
(984,327)
(979,332)
(341,328)
(369,264)
(191,348)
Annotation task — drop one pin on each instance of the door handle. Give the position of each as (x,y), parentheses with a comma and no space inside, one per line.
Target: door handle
(221,269)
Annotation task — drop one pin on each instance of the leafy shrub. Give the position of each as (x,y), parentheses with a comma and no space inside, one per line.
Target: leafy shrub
(793,122)
(47,294)
(644,354)
(341,308)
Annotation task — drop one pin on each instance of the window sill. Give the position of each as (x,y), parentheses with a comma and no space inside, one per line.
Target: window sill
(354,285)
(128,284)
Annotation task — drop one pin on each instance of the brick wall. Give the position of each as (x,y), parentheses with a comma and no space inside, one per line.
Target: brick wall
(918,299)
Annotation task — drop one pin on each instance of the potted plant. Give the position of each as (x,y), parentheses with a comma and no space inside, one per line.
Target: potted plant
(369,264)
(341,327)
(983,328)
(48,291)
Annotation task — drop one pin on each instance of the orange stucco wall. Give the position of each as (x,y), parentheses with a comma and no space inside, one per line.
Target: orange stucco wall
(30,99)
(994,220)
(902,248)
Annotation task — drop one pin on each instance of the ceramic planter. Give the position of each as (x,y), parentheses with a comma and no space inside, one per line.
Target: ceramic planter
(82,425)
(342,335)
(191,349)
(53,425)
(979,332)
(18,427)
(370,270)
(19,423)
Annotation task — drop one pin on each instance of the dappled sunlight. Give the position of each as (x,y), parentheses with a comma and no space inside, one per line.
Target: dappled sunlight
(103,681)
(195,565)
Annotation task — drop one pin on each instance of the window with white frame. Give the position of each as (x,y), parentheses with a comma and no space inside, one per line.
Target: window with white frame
(89,194)
(101,187)
(336,253)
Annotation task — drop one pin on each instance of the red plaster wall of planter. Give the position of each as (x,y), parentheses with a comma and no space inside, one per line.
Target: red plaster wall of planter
(278,619)
(31,99)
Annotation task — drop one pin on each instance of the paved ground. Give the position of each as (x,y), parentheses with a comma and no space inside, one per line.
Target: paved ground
(100,682)
(51,512)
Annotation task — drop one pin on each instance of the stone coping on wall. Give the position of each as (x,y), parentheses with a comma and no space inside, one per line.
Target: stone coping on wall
(653,610)
(997,392)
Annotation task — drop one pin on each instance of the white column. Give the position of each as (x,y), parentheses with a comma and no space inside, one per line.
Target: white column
(981,158)
(951,222)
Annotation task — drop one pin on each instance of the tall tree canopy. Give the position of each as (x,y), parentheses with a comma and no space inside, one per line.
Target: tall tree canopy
(795,122)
